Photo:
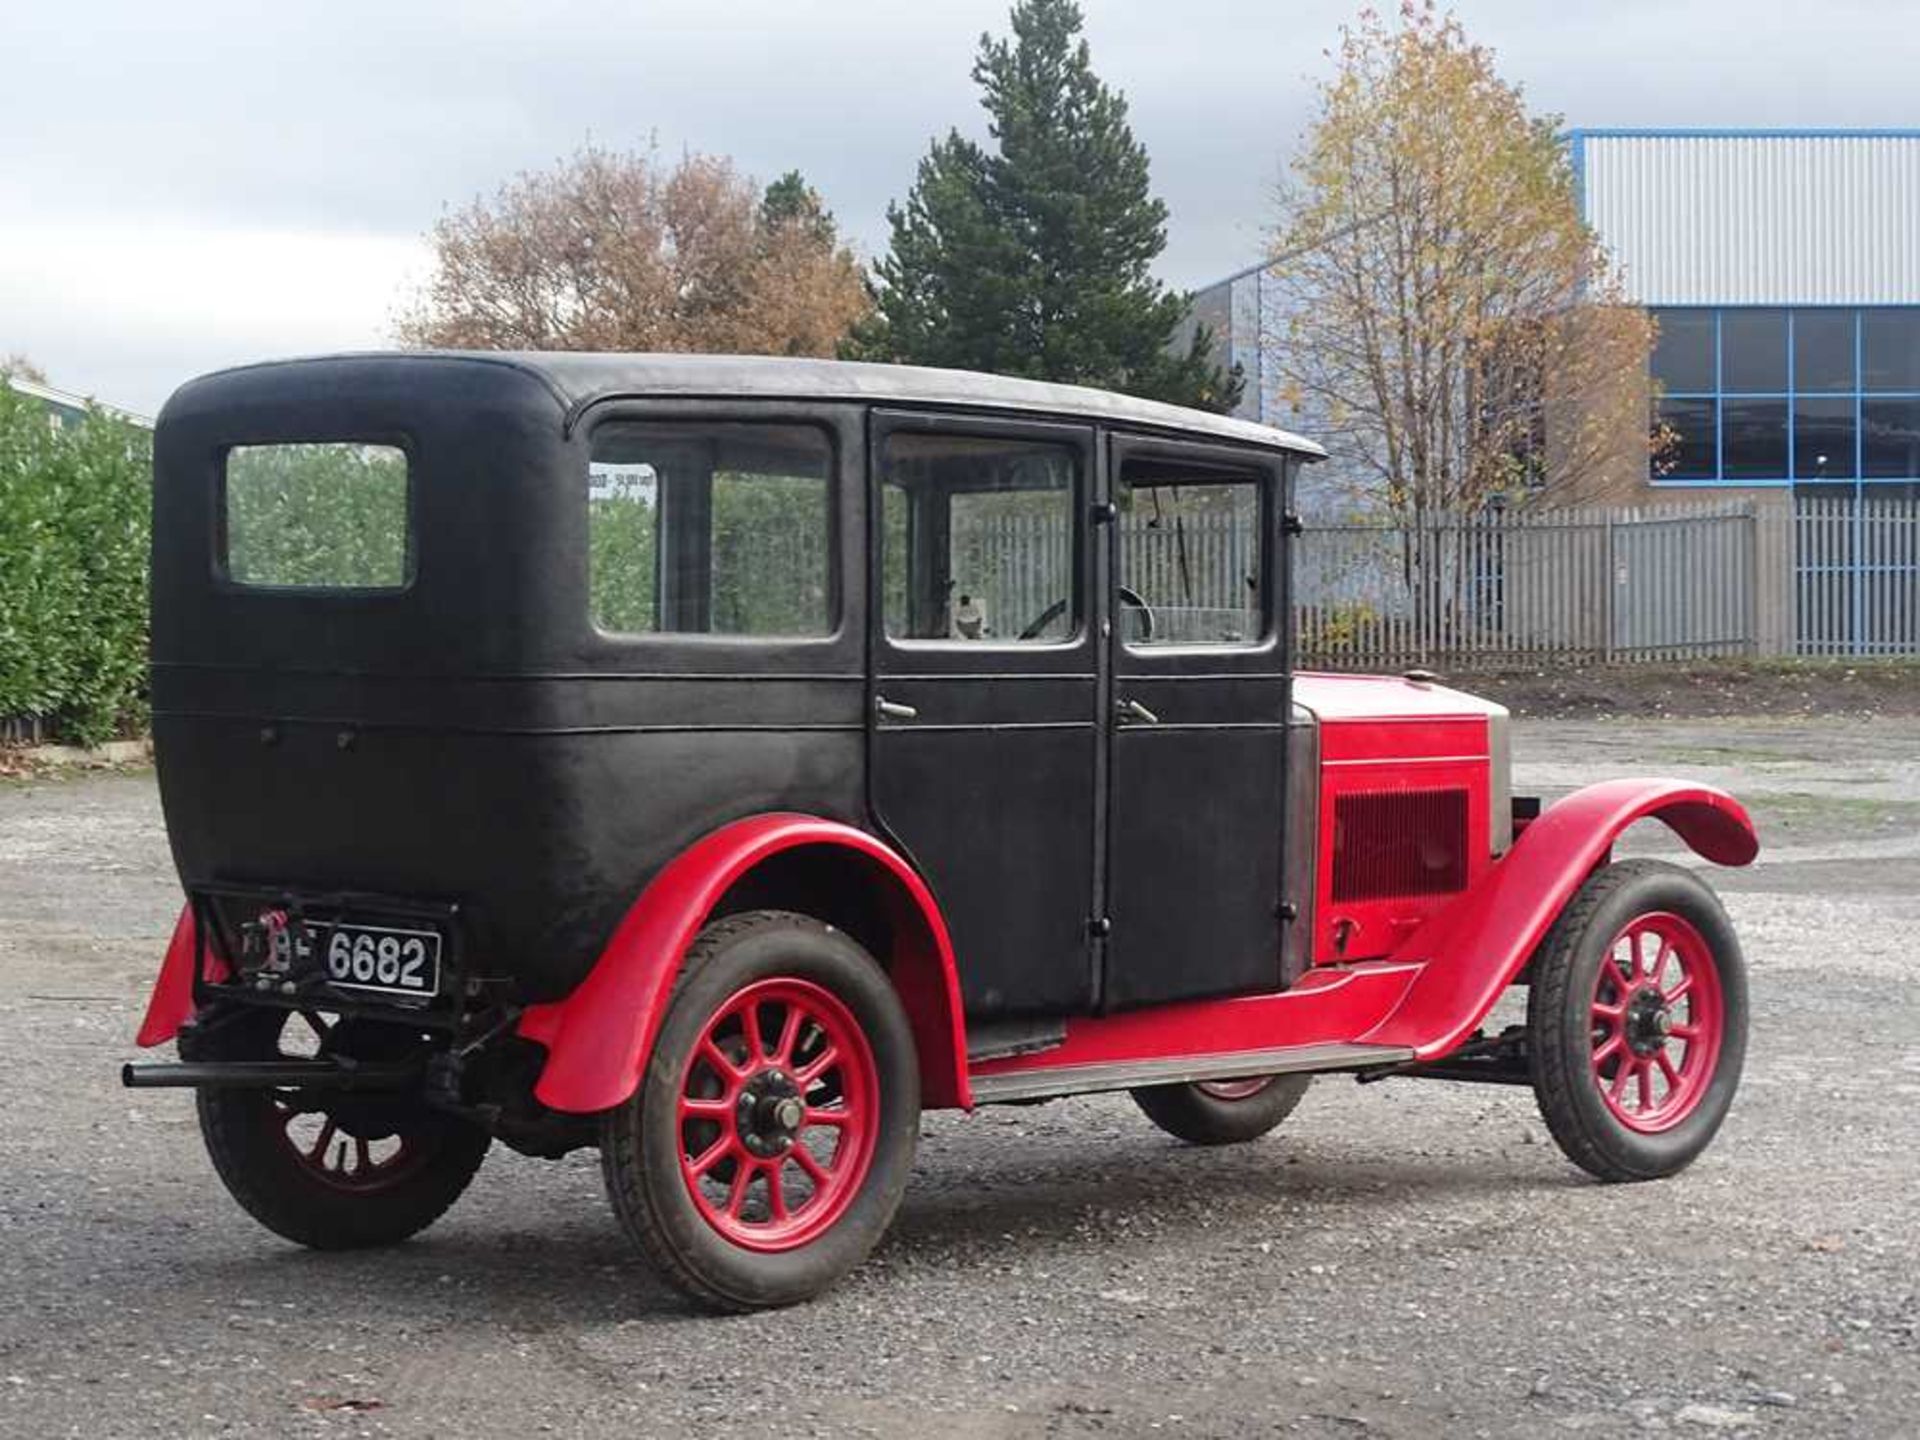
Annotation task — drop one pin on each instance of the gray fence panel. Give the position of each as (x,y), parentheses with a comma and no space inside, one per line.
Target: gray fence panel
(1675,582)
(1857,576)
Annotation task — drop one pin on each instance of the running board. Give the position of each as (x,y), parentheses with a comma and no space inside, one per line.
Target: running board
(1046,1082)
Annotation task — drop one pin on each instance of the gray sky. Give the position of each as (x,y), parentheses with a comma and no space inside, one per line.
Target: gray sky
(197,182)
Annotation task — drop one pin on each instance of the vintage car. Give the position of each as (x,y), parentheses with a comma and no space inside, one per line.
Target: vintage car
(718,761)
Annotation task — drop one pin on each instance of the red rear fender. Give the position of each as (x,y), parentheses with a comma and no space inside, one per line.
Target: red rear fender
(598,1037)
(171,1004)
(1475,947)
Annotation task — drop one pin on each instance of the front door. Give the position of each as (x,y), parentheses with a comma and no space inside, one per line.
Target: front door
(1199,724)
(985,713)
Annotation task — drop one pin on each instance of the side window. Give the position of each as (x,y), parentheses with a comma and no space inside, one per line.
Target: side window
(977,540)
(1193,555)
(710,529)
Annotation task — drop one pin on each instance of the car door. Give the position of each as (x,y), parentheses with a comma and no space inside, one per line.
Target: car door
(985,719)
(1200,698)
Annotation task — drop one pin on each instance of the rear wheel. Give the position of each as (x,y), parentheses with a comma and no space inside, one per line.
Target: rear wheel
(1637,1021)
(768,1145)
(1222,1112)
(333,1172)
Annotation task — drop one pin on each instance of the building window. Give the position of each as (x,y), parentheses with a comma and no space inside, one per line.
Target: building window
(1891,430)
(1691,427)
(1753,352)
(1819,397)
(1890,349)
(1823,440)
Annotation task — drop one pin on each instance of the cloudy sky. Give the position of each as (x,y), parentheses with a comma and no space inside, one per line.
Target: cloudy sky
(194,182)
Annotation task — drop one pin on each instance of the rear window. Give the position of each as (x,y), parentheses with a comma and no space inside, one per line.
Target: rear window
(326,516)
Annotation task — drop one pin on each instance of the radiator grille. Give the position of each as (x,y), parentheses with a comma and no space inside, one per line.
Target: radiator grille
(1399,842)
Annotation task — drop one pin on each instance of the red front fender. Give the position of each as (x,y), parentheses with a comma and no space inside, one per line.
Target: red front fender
(598,1038)
(1472,950)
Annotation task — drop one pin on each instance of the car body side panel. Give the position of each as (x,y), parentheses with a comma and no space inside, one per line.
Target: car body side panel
(1329,1005)
(1473,950)
(472,738)
(599,1037)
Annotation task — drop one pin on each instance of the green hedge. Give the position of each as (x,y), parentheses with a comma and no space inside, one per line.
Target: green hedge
(75,507)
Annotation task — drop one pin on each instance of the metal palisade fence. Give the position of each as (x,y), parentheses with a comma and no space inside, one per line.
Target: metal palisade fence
(1593,585)
(1857,577)
(1614,585)
(1812,577)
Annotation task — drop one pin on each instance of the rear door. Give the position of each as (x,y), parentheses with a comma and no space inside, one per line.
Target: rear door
(1198,724)
(985,715)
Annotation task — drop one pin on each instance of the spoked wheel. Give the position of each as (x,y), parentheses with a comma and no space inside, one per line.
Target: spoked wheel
(768,1145)
(1222,1112)
(332,1171)
(1637,1021)
(777,1106)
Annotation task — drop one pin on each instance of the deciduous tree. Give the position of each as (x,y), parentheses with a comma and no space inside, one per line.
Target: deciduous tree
(18,364)
(1032,257)
(1444,316)
(614,251)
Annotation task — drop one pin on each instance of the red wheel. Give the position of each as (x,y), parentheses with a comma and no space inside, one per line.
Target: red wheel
(1657,1021)
(332,1171)
(1222,1112)
(1637,1021)
(777,1114)
(1235,1089)
(769,1142)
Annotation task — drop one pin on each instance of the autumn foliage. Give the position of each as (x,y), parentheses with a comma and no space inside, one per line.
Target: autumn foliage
(1445,320)
(616,251)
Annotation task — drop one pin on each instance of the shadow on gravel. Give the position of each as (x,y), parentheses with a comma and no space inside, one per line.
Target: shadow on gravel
(968,1200)
(1060,1207)
(521,1279)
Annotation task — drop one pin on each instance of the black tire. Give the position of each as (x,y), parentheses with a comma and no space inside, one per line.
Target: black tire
(1191,1113)
(1568,1032)
(256,1145)
(645,1142)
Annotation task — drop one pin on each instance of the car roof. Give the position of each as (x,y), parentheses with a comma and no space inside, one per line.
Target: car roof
(580,378)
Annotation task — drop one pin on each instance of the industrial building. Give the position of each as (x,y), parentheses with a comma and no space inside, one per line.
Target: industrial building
(1783,270)
(1783,267)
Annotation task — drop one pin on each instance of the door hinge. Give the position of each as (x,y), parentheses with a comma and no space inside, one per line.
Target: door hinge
(1100,926)
(1289,911)
(1104,512)
(1291,524)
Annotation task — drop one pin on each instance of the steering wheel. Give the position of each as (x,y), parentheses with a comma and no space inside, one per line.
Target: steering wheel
(1128,597)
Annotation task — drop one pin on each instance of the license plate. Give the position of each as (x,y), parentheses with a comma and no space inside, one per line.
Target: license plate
(382,959)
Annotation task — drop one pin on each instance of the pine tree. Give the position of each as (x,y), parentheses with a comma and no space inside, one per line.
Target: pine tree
(1033,257)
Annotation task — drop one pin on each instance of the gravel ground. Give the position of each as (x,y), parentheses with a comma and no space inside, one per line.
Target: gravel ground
(1409,1259)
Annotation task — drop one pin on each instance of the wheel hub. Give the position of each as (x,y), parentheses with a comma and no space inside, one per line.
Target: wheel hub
(1649,1021)
(770,1113)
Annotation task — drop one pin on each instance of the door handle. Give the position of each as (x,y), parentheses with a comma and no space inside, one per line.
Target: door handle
(1134,710)
(888,710)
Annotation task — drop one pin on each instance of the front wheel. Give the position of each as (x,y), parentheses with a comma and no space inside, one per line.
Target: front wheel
(1637,1021)
(1222,1112)
(768,1145)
